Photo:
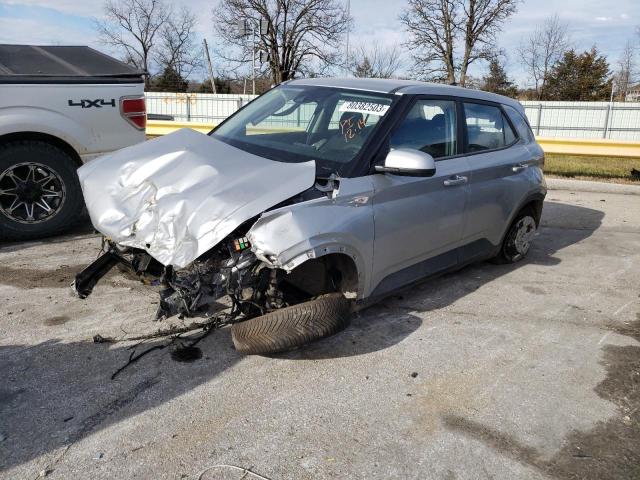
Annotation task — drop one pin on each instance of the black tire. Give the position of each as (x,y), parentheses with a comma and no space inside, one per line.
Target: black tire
(293,326)
(517,241)
(54,160)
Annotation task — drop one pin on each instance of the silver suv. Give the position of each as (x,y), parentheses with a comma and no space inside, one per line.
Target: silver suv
(318,195)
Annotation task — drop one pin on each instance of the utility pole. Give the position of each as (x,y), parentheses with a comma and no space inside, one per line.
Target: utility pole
(607,118)
(253,58)
(258,29)
(347,53)
(206,51)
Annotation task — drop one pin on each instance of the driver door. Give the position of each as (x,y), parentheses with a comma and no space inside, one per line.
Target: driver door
(419,220)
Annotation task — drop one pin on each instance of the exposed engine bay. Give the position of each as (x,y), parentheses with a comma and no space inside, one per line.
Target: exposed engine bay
(231,268)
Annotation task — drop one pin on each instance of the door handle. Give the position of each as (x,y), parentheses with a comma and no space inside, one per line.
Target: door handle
(455,180)
(520,167)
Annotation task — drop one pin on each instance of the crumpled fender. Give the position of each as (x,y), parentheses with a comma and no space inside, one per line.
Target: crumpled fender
(341,223)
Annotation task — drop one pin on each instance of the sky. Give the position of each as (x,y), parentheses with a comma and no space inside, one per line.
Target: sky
(609,24)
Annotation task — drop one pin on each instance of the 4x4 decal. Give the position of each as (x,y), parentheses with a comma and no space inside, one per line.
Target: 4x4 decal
(98,103)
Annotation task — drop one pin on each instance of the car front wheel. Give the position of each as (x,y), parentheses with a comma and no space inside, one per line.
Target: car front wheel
(291,327)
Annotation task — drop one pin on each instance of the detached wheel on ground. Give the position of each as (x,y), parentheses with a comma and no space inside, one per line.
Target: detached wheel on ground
(517,241)
(293,326)
(40,193)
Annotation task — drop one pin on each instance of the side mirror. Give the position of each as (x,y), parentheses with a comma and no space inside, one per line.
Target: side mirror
(408,162)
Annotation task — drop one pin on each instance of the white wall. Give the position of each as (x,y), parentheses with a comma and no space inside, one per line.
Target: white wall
(584,119)
(195,107)
(548,119)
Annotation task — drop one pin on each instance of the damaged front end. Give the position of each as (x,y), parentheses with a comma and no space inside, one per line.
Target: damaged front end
(230,269)
(211,228)
(176,211)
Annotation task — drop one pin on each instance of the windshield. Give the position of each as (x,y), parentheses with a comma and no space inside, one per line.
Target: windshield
(302,123)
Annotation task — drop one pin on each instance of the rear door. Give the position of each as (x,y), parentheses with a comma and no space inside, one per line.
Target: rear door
(498,160)
(419,221)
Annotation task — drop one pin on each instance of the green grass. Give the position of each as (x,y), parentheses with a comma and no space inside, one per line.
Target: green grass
(608,168)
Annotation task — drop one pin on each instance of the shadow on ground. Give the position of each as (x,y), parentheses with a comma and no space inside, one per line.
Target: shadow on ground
(55,393)
(82,229)
(375,325)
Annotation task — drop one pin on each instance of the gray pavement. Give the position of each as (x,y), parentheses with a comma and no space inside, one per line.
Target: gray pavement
(497,372)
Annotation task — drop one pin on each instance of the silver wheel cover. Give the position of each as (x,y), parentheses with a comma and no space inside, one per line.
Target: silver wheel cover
(525,231)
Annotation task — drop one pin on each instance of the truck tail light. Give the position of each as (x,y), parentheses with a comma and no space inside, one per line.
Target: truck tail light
(134,110)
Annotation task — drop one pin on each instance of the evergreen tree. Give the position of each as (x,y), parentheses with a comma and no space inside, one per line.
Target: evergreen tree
(579,77)
(222,86)
(497,80)
(363,69)
(169,81)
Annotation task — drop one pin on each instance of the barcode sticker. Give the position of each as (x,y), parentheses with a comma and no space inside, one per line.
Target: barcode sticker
(367,108)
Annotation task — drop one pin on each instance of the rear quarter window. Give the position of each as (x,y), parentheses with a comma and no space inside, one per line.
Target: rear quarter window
(487,127)
(521,124)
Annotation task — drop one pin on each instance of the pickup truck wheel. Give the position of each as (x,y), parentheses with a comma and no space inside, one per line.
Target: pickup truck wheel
(40,193)
(517,242)
(291,327)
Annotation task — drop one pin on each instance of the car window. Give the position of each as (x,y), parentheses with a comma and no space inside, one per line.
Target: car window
(487,127)
(291,117)
(521,124)
(430,126)
(300,123)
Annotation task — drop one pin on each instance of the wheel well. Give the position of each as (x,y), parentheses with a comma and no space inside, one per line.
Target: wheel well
(43,137)
(336,272)
(534,208)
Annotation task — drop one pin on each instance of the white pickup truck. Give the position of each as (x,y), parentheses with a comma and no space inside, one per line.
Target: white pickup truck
(59,107)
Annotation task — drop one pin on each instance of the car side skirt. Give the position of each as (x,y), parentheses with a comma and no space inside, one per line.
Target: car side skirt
(432,267)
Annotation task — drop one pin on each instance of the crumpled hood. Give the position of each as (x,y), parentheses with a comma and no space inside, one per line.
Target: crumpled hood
(179,195)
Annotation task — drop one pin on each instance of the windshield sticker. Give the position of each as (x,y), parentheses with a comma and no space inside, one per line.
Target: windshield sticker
(367,108)
(352,126)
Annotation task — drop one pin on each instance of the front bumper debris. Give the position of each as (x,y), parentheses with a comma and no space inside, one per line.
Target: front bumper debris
(84,282)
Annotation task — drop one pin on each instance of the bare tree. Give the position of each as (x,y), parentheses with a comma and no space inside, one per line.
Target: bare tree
(542,49)
(301,34)
(177,49)
(448,36)
(433,27)
(132,26)
(376,61)
(625,76)
(482,21)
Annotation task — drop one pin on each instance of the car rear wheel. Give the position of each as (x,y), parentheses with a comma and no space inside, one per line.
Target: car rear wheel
(291,327)
(517,242)
(40,193)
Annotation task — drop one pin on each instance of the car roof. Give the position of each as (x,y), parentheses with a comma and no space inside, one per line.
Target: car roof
(406,87)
